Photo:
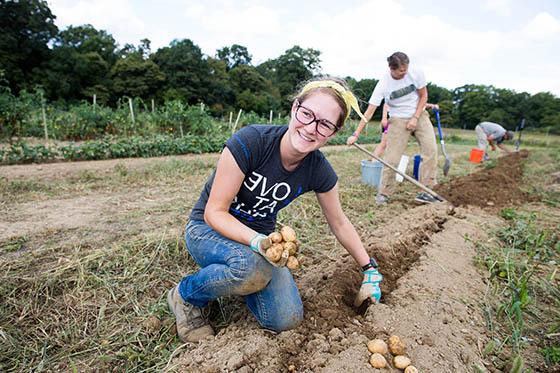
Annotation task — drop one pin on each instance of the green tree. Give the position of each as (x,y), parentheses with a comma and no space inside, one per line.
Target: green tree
(187,71)
(81,61)
(134,77)
(292,68)
(233,56)
(27,27)
(253,91)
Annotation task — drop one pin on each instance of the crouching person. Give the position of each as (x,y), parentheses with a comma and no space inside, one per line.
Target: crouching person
(261,169)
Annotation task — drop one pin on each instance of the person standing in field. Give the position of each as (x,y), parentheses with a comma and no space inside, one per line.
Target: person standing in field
(493,134)
(385,122)
(262,169)
(404,91)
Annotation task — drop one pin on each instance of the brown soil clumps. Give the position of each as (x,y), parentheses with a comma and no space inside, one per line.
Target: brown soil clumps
(491,187)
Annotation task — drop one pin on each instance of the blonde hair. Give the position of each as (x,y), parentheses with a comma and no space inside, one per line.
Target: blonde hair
(336,88)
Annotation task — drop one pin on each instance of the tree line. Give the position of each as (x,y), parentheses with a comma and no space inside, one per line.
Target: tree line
(75,64)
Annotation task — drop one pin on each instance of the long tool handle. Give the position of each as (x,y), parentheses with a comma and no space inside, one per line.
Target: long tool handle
(421,186)
(436,111)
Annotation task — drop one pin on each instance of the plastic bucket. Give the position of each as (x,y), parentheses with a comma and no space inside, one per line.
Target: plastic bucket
(416,169)
(403,164)
(371,173)
(476,155)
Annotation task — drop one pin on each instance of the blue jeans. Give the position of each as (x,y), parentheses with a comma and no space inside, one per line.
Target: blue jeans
(231,268)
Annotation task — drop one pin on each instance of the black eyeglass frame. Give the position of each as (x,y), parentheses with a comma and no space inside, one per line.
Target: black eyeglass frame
(328,123)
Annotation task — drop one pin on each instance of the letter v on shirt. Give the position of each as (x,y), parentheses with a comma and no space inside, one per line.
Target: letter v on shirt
(275,193)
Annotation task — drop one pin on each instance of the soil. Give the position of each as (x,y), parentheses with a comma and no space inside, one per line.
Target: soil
(493,187)
(431,288)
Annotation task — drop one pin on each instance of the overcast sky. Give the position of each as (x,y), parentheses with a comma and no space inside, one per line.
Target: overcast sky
(511,44)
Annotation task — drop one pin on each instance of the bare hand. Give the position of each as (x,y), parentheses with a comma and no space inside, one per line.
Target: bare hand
(411,124)
(384,123)
(351,140)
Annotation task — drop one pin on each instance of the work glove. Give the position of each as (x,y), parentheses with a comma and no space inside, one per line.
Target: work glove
(260,243)
(370,287)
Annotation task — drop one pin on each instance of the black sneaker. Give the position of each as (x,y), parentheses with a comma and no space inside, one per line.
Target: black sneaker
(424,197)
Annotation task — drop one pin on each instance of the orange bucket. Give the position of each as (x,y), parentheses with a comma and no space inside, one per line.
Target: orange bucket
(476,155)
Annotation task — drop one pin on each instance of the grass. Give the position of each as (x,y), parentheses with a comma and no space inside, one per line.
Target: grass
(83,307)
(523,295)
(71,302)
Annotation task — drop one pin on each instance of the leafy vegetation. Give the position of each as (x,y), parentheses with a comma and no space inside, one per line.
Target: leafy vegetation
(522,299)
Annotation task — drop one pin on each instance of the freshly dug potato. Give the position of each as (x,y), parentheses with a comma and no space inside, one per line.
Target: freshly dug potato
(377,346)
(377,361)
(292,263)
(401,362)
(411,369)
(291,247)
(275,237)
(288,234)
(396,346)
(275,252)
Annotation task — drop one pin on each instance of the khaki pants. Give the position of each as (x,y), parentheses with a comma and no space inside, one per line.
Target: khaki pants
(397,139)
(481,137)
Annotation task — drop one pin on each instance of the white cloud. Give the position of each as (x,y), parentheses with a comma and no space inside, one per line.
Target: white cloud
(354,40)
(117,17)
(543,27)
(499,7)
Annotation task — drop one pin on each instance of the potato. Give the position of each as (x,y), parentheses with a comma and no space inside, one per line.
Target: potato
(288,234)
(292,263)
(411,369)
(396,346)
(377,361)
(275,237)
(401,361)
(377,346)
(275,252)
(291,247)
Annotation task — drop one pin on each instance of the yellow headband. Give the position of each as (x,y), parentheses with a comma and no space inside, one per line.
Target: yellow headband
(347,96)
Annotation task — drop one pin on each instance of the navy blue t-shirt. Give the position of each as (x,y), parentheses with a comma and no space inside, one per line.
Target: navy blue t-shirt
(268,186)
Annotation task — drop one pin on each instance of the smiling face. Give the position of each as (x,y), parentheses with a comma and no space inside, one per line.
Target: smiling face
(399,72)
(305,138)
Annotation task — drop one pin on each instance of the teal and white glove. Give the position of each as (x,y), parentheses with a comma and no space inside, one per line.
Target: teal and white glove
(260,243)
(370,287)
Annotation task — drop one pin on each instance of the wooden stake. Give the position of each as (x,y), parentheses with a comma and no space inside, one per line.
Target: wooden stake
(230,118)
(153,105)
(44,118)
(131,112)
(236,121)
(94,101)
(270,117)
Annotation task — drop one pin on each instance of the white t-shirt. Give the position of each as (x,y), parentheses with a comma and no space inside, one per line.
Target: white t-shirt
(401,95)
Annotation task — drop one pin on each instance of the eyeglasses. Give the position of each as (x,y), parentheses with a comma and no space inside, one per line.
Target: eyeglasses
(306,116)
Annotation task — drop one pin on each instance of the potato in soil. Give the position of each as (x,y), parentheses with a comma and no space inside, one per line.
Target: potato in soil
(396,346)
(377,346)
(377,361)
(401,362)
(411,369)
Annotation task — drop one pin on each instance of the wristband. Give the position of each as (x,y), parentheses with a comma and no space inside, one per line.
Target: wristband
(372,264)
(355,134)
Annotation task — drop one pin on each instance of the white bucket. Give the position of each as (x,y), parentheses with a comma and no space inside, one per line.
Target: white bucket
(403,164)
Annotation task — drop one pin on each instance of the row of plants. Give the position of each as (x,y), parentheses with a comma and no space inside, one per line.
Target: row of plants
(522,301)
(111,147)
(28,116)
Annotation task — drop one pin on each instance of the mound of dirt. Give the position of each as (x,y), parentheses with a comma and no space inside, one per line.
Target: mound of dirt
(495,186)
